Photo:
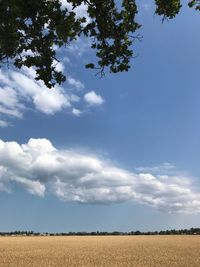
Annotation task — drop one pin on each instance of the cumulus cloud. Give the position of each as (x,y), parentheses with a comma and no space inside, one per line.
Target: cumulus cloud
(19,91)
(73,176)
(19,88)
(93,99)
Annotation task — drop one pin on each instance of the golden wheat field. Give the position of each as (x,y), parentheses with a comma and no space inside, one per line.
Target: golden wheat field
(108,251)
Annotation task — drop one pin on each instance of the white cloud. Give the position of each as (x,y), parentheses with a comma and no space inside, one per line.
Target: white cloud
(79,47)
(4,123)
(76,112)
(33,187)
(165,167)
(72,176)
(74,98)
(81,10)
(93,99)
(19,88)
(9,101)
(19,91)
(10,112)
(8,97)
(45,100)
(76,83)
(59,66)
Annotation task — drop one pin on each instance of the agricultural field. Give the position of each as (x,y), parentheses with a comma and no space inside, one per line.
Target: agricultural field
(135,251)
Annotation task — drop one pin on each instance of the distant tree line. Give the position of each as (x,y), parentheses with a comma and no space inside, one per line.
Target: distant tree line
(191,231)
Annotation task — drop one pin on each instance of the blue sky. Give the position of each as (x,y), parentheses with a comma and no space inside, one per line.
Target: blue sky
(117,153)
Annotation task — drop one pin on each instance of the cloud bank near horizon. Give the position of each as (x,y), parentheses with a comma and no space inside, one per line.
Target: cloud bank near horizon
(72,176)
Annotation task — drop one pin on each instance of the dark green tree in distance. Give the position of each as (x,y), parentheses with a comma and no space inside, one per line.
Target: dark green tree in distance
(31,29)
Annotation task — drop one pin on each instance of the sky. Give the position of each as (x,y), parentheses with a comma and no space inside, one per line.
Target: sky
(103,154)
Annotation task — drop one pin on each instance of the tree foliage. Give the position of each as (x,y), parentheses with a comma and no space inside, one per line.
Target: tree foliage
(30,30)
